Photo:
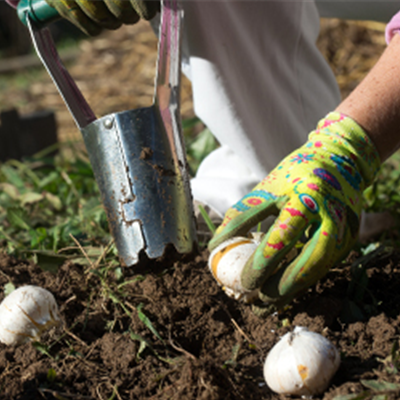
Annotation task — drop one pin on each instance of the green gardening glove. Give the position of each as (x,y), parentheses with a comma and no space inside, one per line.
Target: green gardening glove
(91,16)
(316,192)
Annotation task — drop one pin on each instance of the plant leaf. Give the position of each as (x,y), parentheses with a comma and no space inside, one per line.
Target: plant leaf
(10,190)
(49,261)
(143,344)
(53,200)
(30,198)
(42,348)
(203,145)
(51,375)
(8,288)
(18,218)
(12,176)
(353,396)
(148,323)
(207,219)
(380,385)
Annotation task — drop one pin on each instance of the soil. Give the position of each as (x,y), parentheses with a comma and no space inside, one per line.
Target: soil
(209,346)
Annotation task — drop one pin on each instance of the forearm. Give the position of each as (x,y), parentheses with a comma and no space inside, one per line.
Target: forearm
(375,103)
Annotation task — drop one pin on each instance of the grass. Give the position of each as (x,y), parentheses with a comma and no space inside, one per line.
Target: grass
(384,194)
(44,201)
(374,390)
(49,204)
(50,207)
(50,211)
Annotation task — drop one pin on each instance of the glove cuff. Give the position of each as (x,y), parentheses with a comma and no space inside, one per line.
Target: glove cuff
(340,130)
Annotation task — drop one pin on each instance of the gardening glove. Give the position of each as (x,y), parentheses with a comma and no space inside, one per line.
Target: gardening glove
(91,16)
(316,193)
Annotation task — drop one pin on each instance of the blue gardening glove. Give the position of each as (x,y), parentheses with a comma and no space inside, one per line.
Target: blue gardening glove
(317,192)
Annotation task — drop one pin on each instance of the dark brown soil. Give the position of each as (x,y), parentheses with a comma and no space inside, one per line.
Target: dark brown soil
(212,347)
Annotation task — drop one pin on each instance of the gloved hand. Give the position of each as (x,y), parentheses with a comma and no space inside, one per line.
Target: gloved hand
(91,16)
(315,192)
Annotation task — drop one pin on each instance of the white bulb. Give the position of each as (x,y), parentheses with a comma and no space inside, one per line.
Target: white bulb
(25,313)
(226,263)
(302,363)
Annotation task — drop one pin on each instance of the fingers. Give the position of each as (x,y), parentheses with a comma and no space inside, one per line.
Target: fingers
(123,11)
(317,257)
(286,231)
(146,9)
(91,16)
(69,10)
(99,13)
(111,14)
(245,214)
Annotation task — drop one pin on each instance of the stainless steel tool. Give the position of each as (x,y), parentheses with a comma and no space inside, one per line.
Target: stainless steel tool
(138,156)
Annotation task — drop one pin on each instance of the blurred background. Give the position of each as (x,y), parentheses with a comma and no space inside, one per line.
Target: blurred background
(44,200)
(115,70)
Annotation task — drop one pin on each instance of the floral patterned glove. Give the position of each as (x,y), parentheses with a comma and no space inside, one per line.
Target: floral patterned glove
(91,16)
(316,192)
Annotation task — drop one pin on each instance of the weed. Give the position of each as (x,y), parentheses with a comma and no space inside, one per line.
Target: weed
(392,362)
(198,145)
(207,219)
(45,200)
(360,303)
(376,390)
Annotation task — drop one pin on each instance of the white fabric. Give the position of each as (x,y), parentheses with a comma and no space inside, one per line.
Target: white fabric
(228,180)
(259,84)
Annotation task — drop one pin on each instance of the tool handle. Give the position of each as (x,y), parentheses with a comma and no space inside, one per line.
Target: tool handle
(39,12)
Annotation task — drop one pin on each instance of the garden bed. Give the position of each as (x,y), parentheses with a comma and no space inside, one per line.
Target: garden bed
(169,332)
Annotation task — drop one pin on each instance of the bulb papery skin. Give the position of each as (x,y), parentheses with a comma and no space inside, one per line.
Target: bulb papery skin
(226,263)
(25,313)
(302,363)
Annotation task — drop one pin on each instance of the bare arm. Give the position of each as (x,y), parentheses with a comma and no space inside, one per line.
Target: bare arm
(375,103)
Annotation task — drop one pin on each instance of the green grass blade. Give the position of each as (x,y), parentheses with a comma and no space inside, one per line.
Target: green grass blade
(143,317)
(207,219)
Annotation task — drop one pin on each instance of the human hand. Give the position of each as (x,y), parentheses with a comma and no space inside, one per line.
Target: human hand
(315,192)
(91,16)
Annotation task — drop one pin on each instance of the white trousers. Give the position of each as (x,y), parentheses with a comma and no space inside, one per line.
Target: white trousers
(259,83)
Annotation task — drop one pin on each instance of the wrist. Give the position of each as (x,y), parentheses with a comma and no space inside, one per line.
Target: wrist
(375,102)
(341,136)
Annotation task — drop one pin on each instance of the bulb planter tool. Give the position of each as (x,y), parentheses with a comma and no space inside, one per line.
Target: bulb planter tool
(138,156)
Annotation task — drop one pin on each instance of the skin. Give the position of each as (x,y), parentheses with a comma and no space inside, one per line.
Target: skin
(375,106)
(375,103)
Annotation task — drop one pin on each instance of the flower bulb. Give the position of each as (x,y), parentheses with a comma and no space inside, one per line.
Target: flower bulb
(25,313)
(302,363)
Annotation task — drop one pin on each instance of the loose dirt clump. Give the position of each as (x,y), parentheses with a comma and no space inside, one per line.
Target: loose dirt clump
(170,332)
